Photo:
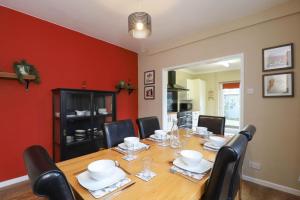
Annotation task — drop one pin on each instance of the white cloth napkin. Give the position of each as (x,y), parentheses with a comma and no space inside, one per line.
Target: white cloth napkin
(187,173)
(109,189)
(145,178)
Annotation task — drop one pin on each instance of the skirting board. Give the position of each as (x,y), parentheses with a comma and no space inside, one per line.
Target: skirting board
(13,181)
(272,185)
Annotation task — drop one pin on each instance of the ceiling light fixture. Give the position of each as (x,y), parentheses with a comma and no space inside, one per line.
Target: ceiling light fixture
(139,25)
(224,63)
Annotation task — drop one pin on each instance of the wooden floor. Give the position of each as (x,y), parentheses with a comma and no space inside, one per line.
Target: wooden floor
(251,191)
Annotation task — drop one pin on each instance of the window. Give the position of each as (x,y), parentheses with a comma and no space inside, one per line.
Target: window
(230,105)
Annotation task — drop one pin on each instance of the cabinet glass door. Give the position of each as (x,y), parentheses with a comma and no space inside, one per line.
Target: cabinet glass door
(104,112)
(78,117)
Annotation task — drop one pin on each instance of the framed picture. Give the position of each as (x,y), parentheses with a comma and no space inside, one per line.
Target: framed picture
(277,58)
(149,92)
(278,85)
(149,77)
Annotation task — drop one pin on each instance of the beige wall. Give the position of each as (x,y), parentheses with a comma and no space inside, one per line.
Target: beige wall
(276,143)
(213,81)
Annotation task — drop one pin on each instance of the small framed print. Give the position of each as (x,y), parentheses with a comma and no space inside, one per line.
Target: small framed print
(149,92)
(278,58)
(278,85)
(149,77)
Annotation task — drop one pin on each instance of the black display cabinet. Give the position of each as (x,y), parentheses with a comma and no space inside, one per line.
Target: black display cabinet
(78,118)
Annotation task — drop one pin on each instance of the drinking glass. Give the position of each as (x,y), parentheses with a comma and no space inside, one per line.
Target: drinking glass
(188,132)
(181,146)
(164,140)
(147,161)
(130,152)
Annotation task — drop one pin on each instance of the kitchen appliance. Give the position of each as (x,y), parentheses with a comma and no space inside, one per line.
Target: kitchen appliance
(185,107)
(173,90)
(172,86)
(172,102)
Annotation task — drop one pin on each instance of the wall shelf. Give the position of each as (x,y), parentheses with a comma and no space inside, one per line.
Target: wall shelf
(9,75)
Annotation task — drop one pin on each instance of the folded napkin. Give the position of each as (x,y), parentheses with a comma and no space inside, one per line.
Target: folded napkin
(140,147)
(124,151)
(187,173)
(210,146)
(154,140)
(109,189)
(142,176)
(210,149)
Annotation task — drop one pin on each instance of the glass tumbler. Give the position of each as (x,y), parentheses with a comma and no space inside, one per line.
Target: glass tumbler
(147,161)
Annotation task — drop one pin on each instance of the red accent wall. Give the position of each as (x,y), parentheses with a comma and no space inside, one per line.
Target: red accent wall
(64,58)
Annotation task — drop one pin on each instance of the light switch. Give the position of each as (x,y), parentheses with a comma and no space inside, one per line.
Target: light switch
(250,91)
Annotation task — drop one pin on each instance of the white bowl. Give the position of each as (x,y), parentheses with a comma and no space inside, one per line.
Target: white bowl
(191,157)
(160,133)
(217,141)
(101,168)
(80,113)
(102,110)
(131,141)
(79,131)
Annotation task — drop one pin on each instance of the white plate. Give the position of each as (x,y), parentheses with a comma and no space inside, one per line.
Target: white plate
(202,167)
(140,146)
(153,136)
(204,134)
(89,183)
(211,145)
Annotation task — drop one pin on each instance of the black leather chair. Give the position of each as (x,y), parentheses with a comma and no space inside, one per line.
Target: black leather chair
(214,124)
(147,126)
(222,182)
(46,179)
(115,132)
(248,131)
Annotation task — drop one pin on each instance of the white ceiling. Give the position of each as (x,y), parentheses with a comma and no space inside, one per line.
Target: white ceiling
(107,19)
(218,65)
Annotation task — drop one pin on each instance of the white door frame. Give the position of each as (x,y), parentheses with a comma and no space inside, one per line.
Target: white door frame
(164,84)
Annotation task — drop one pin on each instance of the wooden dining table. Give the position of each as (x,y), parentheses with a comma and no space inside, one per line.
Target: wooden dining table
(165,185)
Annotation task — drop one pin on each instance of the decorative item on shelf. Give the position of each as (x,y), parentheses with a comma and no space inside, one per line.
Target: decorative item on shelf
(83,84)
(24,69)
(122,85)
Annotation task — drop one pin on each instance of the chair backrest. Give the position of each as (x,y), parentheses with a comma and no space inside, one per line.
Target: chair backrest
(214,124)
(115,132)
(248,131)
(220,185)
(46,179)
(147,126)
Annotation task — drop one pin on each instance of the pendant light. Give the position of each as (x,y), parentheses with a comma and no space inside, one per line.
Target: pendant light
(139,25)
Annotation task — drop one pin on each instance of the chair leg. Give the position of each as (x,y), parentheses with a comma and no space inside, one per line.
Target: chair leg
(240,190)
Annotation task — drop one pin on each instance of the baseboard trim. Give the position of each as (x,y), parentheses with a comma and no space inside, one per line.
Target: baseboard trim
(272,185)
(13,181)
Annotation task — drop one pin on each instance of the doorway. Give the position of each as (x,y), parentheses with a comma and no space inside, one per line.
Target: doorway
(213,76)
